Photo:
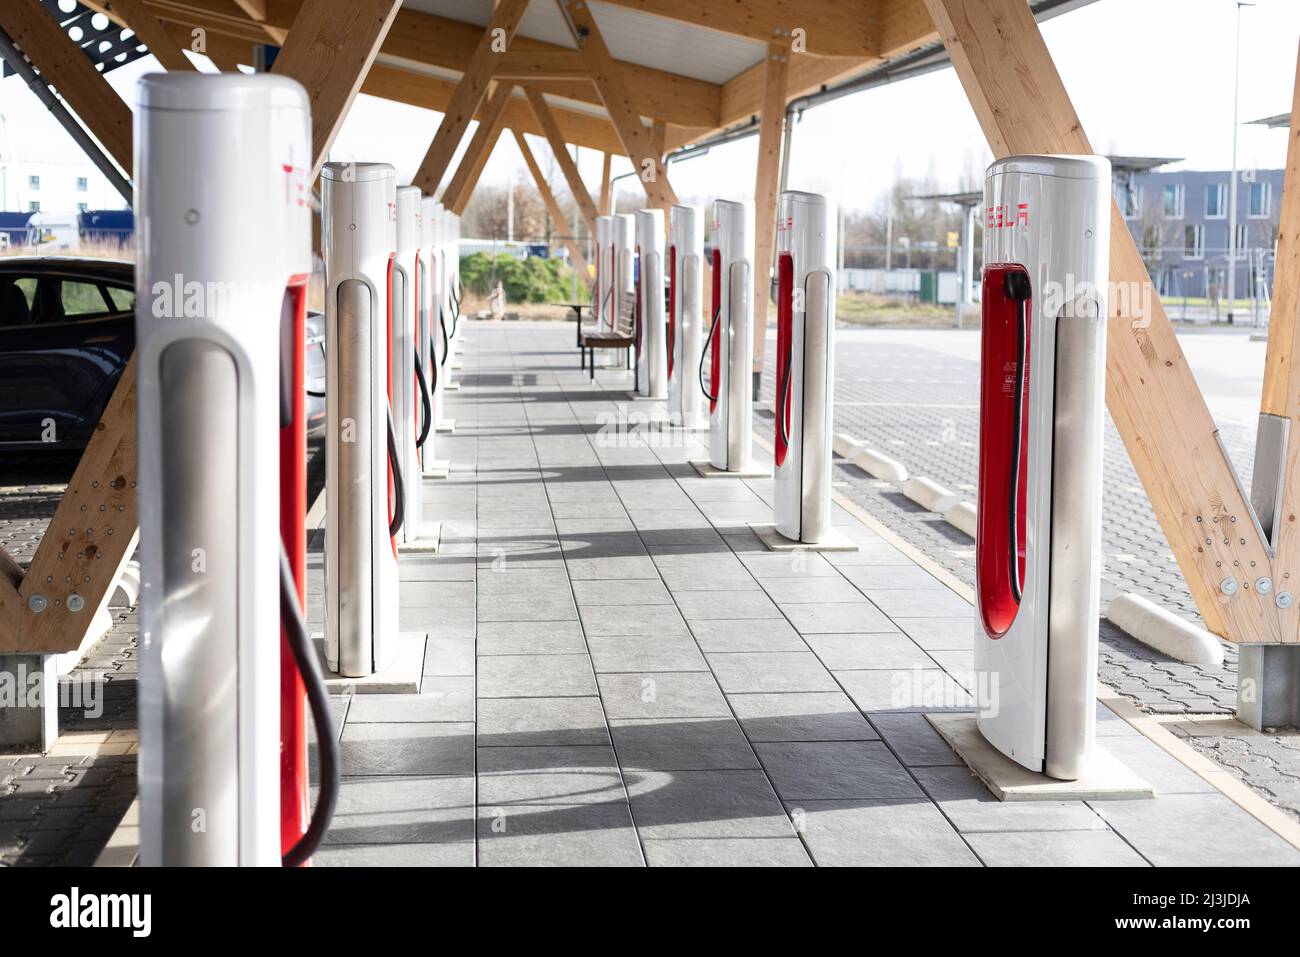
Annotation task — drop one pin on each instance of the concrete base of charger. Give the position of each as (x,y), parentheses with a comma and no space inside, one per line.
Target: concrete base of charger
(402,676)
(426,543)
(776,542)
(1106,780)
(705,469)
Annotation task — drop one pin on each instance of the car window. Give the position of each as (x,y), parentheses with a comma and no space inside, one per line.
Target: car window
(83,299)
(28,285)
(123,298)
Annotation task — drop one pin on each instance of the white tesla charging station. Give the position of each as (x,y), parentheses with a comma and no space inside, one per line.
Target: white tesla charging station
(452,258)
(412,401)
(729,346)
(216,303)
(359,238)
(604,271)
(685,313)
(805,357)
(1038,552)
(437,346)
(651,348)
(623,274)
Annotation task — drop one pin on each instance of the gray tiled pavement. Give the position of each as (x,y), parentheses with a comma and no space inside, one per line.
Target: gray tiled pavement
(651,686)
(913,394)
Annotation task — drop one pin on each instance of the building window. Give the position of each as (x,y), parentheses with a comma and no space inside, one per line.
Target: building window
(1174,201)
(1194,242)
(82,207)
(82,184)
(1131,199)
(1216,200)
(33,182)
(1261,200)
(1242,236)
(33,206)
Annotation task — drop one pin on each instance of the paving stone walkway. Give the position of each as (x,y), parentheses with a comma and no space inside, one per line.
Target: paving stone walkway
(914,396)
(618,672)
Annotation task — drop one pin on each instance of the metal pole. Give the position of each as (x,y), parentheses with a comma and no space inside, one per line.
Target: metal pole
(1232,187)
(24,69)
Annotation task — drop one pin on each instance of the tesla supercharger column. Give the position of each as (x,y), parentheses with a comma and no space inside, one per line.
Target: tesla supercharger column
(685,313)
(1042,380)
(805,356)
(359,239)
(652,348)
(728,349)
(223,208)
(412,402)
(604,284)
(453,267)
(437,346)
(623,273)
(447,306)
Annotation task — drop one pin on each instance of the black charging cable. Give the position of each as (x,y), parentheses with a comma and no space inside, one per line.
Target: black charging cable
(704,354)
(399,487)
(327,744)
(425,403)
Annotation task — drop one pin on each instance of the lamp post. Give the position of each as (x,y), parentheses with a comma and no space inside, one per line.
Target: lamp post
(1232,184)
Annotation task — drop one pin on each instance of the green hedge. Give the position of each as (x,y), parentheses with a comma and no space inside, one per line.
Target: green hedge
(525,280)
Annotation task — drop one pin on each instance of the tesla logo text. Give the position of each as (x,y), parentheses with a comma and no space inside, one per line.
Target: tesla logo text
(1005,217)
(295,185)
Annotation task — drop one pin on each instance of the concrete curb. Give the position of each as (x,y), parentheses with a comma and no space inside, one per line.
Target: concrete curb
(845,445)
(929,494)
(880,466)
(962,517)
(1158,628)
(127,590)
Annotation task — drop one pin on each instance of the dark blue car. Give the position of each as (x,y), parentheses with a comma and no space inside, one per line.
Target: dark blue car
(67,330)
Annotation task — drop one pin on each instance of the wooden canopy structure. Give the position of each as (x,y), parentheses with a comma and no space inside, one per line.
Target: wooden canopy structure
(639,78)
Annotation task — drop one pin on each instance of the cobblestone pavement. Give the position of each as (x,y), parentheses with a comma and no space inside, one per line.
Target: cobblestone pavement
(913,395)
(61,808)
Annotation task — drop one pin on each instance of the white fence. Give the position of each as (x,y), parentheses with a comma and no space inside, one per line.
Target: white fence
(904,283)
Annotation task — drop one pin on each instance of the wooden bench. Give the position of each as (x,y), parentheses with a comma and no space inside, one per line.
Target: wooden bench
(622,336)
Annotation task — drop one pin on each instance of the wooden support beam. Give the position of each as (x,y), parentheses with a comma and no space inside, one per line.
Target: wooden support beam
(659,137)
(1281,393)
(830,27)
(153,34)
(91,536)
(466,194)
(1012,84)
(494,41)
(557,214)
(424,42)
(329,51)
(614,94)
(537,103)
(767,182)
(606,188)
(11,576)
(456,195)
(417,89)
(540,64)
(256,10)
(65,67)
